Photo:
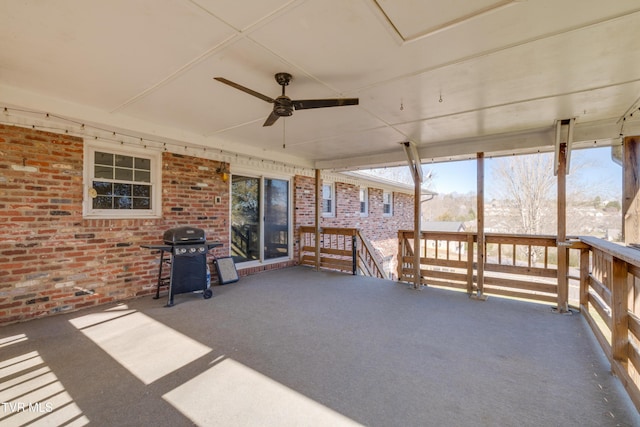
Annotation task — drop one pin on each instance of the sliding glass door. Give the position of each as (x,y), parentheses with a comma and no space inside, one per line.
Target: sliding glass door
(259,218)
(276,218)
(245,214)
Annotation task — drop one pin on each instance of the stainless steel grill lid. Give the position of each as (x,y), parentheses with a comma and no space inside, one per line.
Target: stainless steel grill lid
(184,235)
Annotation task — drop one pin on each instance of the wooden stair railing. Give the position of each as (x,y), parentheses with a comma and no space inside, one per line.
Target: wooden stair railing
(368,260)
(342,249)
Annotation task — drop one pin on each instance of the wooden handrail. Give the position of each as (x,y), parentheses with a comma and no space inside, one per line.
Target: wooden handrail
(610,302)
(336,248)
(450,259)
(343,249)
(369,258)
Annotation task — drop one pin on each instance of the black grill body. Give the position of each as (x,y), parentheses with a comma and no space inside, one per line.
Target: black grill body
(188,269)
(188,261)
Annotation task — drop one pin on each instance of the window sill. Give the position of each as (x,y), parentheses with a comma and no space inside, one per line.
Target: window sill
(121,217)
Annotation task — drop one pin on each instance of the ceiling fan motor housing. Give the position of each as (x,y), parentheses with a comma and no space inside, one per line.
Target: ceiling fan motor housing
(283,106)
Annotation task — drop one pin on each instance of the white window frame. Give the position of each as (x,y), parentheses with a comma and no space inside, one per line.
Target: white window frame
(364,198)
(155,158)
(332,189)
(389,195)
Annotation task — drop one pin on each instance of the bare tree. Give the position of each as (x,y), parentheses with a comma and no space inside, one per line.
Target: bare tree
(528,182)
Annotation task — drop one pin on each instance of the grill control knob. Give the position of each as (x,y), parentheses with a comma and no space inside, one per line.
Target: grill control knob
(183,250)
(192,250)
(200,249)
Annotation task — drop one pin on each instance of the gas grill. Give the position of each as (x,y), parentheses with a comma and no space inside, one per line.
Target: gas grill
(185,252)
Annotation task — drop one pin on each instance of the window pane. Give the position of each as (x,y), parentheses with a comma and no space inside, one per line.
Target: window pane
(143,164)
(326,192)
(276,218)
(124,174)
(142,191)
(103,202)
(122,203)
(326,206)
(104,172)
(245,224)
(141,203)
(103,188)
(122,189)
(103,158)
(142,176)
(124,161)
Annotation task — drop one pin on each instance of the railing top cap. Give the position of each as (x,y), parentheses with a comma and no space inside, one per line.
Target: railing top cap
(625,253)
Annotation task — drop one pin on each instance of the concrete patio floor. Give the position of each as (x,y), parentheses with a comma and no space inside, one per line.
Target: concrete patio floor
(300,347)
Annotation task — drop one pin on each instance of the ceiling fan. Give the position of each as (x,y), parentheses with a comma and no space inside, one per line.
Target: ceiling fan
(283,106)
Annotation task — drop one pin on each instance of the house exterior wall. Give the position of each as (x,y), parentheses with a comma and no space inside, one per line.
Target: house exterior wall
(381,230)
(54,260)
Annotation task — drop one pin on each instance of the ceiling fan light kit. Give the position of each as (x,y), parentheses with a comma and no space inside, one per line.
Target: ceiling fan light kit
(283,106)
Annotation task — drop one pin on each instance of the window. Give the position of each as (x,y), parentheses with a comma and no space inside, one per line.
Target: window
(121,184)
(364,201)
(387,204)
(328,200)
(260,218)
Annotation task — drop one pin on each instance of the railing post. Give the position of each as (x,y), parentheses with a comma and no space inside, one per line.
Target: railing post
(318,216)
(563,250)
(470,252)
(400,261)
(584,278)
(619,315)
(354,254)
(482,250)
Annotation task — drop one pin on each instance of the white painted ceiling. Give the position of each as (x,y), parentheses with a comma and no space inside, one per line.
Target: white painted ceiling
(455,77)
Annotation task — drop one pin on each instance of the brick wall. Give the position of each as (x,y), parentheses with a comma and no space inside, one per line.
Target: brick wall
(53,260)
(304,203)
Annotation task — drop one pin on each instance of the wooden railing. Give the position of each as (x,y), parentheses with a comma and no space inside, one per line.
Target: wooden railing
(341,249)
(607,278)
(242,238)
(610,302)
(368,262)
(515,265)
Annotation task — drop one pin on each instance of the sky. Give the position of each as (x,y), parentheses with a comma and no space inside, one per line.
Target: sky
(599,171)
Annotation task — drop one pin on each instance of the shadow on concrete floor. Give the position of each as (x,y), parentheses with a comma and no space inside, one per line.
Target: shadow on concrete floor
(300,347)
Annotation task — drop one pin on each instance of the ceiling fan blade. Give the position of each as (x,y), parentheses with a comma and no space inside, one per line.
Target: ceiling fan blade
(271,119)
(244,89)
(305,104)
